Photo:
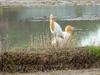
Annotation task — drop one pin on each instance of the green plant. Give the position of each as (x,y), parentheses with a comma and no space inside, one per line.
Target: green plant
(94,50)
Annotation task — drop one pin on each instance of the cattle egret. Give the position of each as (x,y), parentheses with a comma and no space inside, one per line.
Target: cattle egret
(60,37)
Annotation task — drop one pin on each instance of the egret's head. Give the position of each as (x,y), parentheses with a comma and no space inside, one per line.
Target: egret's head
(69,28)
(51,17)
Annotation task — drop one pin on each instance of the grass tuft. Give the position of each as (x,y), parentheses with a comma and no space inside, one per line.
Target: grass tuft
(94,50)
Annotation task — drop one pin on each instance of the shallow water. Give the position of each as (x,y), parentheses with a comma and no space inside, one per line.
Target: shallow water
(29,27)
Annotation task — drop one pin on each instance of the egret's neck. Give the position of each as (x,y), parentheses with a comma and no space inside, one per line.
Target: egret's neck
(51,24)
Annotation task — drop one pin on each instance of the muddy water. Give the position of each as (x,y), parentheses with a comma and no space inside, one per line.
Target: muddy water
(22,27)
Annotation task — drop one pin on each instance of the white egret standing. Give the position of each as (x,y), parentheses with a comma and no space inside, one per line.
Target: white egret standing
(60,37)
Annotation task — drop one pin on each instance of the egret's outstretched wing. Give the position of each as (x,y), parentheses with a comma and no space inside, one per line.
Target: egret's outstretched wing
(57,28)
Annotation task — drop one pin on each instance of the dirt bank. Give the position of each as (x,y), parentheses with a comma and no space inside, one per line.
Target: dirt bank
(62,72)
(45,60)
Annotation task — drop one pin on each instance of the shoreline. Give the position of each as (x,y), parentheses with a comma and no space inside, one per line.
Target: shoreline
(92,71)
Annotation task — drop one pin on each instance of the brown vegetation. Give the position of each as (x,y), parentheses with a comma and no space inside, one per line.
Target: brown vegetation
(45,60)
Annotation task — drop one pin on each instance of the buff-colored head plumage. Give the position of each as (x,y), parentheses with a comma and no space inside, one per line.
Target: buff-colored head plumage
(69,28)
(51,22)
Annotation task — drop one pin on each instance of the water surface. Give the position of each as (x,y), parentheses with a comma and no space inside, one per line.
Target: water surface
(29,26)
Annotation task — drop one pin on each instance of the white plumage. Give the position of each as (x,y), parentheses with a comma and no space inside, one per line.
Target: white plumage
(60,37)
(57,28)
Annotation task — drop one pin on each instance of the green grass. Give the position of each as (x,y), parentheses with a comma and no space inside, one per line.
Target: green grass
(94,50)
